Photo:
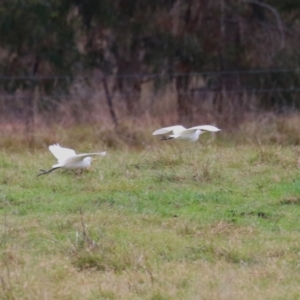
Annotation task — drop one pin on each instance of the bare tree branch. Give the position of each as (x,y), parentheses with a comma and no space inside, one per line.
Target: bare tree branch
(278,19)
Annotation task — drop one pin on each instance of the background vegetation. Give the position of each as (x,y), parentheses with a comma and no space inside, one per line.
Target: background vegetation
(72,61)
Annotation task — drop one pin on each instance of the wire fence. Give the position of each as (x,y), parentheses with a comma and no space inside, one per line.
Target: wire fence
(213,93)
(151,75)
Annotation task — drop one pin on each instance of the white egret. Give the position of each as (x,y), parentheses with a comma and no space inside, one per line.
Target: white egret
(68,159)
(179,132)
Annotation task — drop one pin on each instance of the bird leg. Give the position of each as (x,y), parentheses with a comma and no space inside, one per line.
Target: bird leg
(79,172)
(165,138)
(43,172)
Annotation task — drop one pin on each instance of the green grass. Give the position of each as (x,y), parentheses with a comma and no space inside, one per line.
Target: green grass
(175,221)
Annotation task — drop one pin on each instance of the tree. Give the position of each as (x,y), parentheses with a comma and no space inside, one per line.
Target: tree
(117,34)
(37,39)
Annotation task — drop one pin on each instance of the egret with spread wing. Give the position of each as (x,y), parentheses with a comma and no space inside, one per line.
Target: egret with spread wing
(68,159)
(179,132)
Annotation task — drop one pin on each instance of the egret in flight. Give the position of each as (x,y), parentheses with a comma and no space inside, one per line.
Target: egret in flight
(68,159)
(179,132)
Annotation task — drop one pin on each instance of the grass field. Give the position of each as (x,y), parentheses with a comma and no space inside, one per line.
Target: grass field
(173,221)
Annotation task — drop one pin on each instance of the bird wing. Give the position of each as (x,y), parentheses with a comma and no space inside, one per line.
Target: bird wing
(175,129)
(61,153)
(79,157)
(204,128)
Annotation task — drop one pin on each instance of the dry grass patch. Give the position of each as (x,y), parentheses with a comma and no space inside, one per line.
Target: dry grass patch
(291,200)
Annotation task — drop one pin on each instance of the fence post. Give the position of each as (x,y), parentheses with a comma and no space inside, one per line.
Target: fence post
(109,102)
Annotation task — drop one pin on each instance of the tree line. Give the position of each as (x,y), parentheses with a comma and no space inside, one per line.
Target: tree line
(132,39)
